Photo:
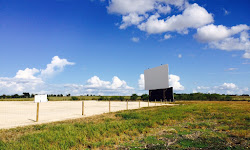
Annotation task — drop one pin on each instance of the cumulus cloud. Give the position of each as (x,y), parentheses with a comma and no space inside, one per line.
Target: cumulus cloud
(96,83)
(27,73)
(30,80)
(146,14)
(174,81)
(225,88)
(130,6)
(141,82)
(19,85)
(125,7)
(194,16)
(164,9)
(99,87)
(57,65)
(223,38)
(212,32)
(154,17)
(131,19)
(135,39)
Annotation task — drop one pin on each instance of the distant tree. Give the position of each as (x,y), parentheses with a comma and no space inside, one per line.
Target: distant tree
(133,96)
(228,98)
(74,98)
(113,98)
(26,95)
(121,98)
(68,95)
(103,98)
(15,96)
(144,96)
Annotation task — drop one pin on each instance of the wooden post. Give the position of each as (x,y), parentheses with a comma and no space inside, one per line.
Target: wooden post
(37,112)
(139,103)
(155,102)
(127,104)
(82,107)
(148,103)
(161,101)
(109,106)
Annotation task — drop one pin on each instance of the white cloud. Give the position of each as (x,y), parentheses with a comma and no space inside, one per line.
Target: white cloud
(247,55)
(135,39)
(131,19)
(225,88)
(141,82)
(125,7)
(164,9)
(167,36)
(27,73)
(231,69)
(99,87)
(136,12)
(96,83)
(19,85)
(96,86)
(30,80)
(223,38)
(174,81)
(212,32)
(179,56)
(57,65)
(130,6)
(202,88)
(193,16)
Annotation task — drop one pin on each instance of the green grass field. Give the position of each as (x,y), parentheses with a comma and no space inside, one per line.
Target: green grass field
(206,125)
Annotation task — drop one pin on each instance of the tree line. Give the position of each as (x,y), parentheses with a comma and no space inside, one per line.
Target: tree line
(191,96)
(203,96)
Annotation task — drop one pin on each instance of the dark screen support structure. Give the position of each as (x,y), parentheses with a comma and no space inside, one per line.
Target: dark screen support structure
(162,94)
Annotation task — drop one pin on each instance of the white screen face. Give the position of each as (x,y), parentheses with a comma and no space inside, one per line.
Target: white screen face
(156,78)
(41,98)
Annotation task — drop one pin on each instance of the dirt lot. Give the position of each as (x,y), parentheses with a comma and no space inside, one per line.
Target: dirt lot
(16,113)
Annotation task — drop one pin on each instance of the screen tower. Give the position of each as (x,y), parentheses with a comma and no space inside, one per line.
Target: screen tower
(157,82)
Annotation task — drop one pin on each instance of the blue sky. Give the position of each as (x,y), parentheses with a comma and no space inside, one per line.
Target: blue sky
(102,47)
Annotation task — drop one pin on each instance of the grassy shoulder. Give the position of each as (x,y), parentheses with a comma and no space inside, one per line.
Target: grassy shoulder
(208,125)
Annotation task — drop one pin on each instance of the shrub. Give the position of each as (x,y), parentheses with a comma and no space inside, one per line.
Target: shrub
(144,97)
(74,98)
(103,98)
(133,96)
(121,98)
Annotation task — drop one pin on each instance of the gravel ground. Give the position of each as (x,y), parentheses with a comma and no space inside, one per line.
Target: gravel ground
(21,113)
